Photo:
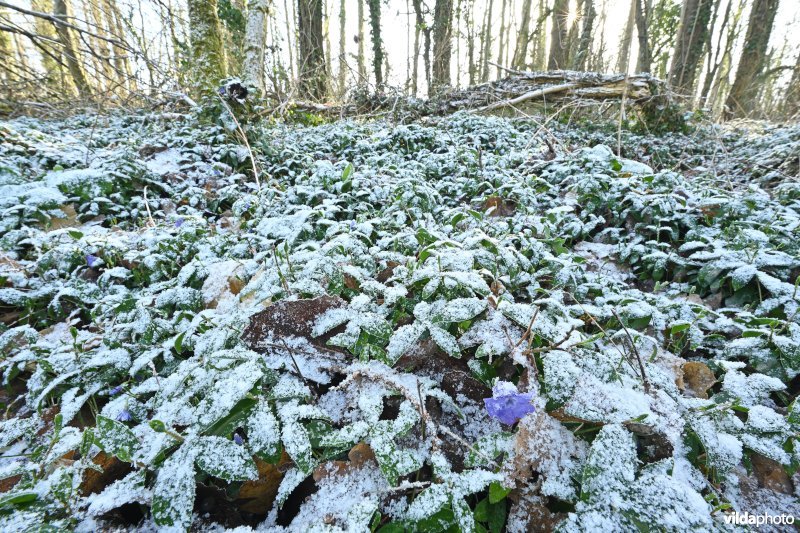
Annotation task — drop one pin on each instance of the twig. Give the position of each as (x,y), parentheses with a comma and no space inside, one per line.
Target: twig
(147,207)
(241,133)
(635,351)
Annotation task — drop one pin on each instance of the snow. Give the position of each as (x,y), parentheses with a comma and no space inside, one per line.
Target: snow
(527,299)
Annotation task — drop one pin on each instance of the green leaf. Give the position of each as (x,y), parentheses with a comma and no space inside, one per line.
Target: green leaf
(224,459)
(497,492)
(445,341)
(7,501)
(677,328)
(115,438)
(174,490)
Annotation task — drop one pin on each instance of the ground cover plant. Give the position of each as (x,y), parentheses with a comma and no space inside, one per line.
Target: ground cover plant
(460,323)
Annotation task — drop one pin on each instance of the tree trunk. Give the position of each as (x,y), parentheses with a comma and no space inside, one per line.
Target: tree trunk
(487,43)
(342,43)
(641,16)
(311,55)
(585,41)
(689,46)
(362,62)
(377,43)
(208,57)
(469,21)
(255,41)
(627,39)
(559,37)
(326,31)
(442,44)
(741,98)
(521,50)
(418,21)
(503,33)
(70,55)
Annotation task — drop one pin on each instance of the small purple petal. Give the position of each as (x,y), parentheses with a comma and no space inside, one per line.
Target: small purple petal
(507,405)
(91,260)
(238,439)
(124,416)
(179,222)
(116,390)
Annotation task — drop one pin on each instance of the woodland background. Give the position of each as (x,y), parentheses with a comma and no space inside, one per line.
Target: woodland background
(734,58)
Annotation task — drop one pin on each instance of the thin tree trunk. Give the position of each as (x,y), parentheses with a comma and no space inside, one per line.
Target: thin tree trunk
(71,57)
(289,34)
(523,35)
(741,98)
(326,30)
(457,34)
(418,21)
(627,38)
(585,41)
(469,21)
(255,42)
(362,62)
(642,15)
(377,43)
(503,32)
(442,44)
(487,43)
(311,54)
(559,37)
(689,46)
(342,43)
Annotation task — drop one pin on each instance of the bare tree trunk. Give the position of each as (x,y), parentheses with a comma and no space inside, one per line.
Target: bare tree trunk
(689,46)
(342,43)
(487,43)
(289,34)
(326,30)
(503,32)
(255,42)
(585,41)
(70,55)
(377,44)
(539,52)
(521,50)
(714,54)
(418,21)
(362,62)
(442,44)
(311,55)
(627,39)
(469,21)
(642,16)
(559,37)
(121,59)
(741,99)
(457,34)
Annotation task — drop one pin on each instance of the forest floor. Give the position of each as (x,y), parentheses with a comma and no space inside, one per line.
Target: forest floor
(463,323)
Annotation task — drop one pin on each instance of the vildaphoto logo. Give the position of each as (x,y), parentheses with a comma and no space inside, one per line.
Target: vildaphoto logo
(747,519)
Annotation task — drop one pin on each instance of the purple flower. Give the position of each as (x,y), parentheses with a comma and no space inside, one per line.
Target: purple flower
(116,390)
(506,404)
(352,225)
(179,222)
(238,439)
(124,416)
(92,260)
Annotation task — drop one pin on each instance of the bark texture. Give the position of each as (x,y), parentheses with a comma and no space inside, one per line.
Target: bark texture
(442,44)
(690,45)
(311,57)
(255,43)
(208,56)
(742,97)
